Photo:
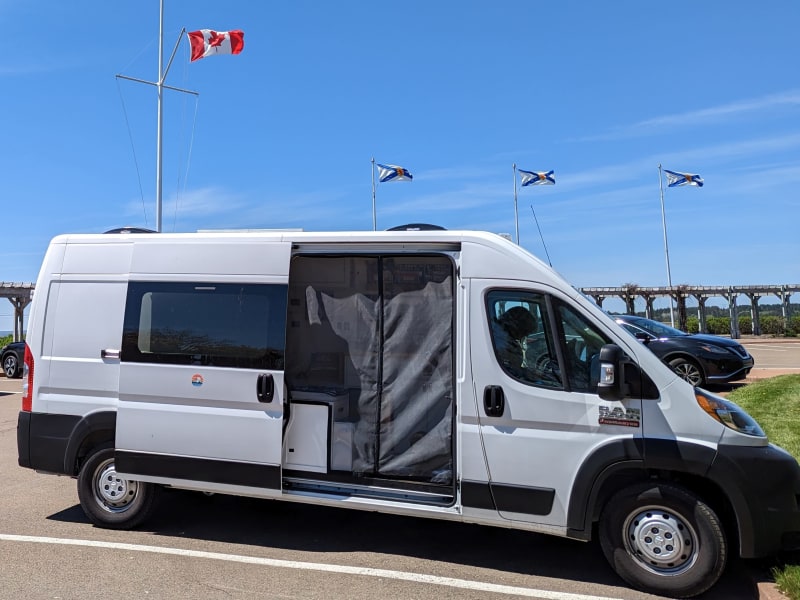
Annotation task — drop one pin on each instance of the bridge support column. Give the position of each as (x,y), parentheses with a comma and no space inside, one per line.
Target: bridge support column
(630,291)
(19,304)
(648,306)
(701,314)
(784,296)
(731,297)
(680,297)
(754,298)
(598,300)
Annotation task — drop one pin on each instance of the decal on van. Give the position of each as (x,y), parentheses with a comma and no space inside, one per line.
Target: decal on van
(628,417)
(197,380)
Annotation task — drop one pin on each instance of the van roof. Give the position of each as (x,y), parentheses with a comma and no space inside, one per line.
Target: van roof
(417,235)
(484,254)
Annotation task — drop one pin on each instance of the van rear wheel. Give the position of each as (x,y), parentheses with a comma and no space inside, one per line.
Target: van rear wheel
(663,539)
(109,500)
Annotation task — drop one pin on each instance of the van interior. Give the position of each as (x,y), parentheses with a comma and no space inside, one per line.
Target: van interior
(370,377)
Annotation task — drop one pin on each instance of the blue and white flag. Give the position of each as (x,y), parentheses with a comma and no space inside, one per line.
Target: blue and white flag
(677,179)
(535,178)
(393,173)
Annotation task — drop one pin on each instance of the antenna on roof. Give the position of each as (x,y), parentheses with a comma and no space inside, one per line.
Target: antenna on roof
(540,236)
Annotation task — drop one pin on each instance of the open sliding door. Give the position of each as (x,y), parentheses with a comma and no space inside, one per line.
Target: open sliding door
(377,331)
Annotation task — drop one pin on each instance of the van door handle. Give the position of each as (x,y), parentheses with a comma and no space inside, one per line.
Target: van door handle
(494,402)
(109,353)
(265,387)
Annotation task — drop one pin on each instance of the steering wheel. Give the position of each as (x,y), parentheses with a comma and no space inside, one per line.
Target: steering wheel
(547,367)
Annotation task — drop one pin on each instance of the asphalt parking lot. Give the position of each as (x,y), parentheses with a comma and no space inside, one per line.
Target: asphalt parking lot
(773,356)
(225,547)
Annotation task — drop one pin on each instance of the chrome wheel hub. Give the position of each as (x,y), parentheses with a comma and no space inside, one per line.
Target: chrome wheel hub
(111,491)
(661,541)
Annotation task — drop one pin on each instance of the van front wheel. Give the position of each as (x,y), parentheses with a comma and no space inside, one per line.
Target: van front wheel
(662,539)
(109,500)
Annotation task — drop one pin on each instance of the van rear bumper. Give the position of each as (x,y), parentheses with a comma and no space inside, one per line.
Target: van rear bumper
(43,440)
(24,439)
(763,484)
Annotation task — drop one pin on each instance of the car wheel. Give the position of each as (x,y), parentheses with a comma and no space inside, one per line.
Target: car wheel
(663,539)
(109,500)
(11,366)
(688,370)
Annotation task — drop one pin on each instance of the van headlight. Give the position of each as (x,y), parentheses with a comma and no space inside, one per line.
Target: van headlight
(727,413)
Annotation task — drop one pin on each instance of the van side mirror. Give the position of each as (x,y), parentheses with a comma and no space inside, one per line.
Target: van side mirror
(612,375)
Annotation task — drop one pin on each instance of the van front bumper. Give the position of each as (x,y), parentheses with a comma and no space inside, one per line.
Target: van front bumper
(763,485)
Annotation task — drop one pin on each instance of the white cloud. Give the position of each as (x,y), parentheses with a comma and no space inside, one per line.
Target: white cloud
(697,159)
(190,205)
(17,69)
(715,114)
(722,112)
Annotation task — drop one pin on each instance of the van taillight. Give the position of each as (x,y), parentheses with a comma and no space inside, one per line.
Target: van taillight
(27,381)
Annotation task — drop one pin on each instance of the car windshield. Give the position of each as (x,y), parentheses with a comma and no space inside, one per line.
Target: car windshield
(655,328)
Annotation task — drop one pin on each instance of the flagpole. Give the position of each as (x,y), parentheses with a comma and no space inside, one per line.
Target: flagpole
(160,129)
(516,214)
(374,219)
(666,247)
(159,83)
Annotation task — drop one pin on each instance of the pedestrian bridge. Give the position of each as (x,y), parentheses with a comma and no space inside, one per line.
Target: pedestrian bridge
(701,293)
(20,295)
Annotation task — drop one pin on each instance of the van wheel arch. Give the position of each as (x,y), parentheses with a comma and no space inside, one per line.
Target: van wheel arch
(610,485)
(704,488)
(616,465)
(93,430)
(96,439)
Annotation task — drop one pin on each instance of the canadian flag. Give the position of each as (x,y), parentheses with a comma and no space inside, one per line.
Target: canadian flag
(207,42)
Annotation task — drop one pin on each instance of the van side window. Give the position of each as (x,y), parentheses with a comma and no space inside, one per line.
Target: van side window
(522,337)
(209,324)
(582,343)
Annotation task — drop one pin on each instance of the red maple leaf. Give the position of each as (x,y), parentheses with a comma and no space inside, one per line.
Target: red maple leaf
(215,39)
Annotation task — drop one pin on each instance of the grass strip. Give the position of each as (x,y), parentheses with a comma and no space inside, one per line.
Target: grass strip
(775,404)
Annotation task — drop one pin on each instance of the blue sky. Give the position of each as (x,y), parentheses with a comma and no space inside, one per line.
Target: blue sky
(281,136)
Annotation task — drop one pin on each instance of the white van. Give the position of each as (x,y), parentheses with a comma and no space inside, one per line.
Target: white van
(443,374)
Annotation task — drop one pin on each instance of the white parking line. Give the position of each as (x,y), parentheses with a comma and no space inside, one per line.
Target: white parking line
(290,564)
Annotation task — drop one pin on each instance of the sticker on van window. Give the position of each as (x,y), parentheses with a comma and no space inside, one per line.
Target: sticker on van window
(197,380)
(627,417)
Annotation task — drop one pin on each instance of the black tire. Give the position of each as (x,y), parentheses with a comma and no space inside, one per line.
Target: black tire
(108,500)
(663,539)
(688,370)
(11,366)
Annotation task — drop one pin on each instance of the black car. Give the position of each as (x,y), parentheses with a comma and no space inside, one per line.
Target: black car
(12,357)
(697,358)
